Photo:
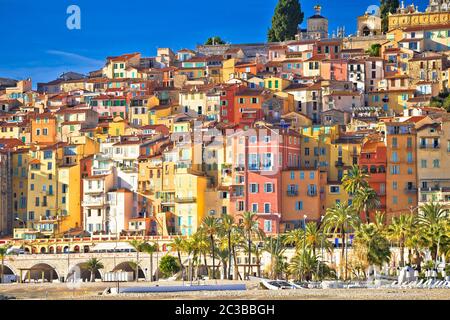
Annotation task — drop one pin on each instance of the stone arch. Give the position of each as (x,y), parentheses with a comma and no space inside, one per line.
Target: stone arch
(9,275)
(43,250)
(49,271)
(51,249)
(9,269)
(127,267)
(84,273)
(76,249)
(59,249)
(66,249)
(365,31)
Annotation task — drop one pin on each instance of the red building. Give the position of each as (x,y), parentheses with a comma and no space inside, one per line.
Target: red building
(373,160)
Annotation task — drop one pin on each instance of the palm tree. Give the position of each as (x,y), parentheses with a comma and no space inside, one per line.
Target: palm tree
(275,248)
(432,220)
(354,180)
(138,246)
(375,245)
(303,265)
(93,265)
(399,230)
(295,237)
(249,226)
(150,248)
(178,245)
(227,228)
(3,254)
(366,199)
(211,225)
(340,218)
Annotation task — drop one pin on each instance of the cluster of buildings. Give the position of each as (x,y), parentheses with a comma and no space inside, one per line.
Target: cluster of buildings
(152,145)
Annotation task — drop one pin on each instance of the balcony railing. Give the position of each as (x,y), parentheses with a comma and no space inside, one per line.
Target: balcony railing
(411,190)
(182,199)
(292,193)
(430,146)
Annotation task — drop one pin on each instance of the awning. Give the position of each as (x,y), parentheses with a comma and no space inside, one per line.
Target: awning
(113,246)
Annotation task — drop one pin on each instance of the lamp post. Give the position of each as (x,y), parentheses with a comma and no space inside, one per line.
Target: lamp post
(304,245)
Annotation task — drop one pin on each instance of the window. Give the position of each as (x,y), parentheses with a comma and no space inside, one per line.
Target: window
(410,157)
(266,207)
(267,226)
(268,187)
(423,163)
(334,189)
(48,154)
(253,188)
(255,207)
(299,205)
(394,199)
(436,163)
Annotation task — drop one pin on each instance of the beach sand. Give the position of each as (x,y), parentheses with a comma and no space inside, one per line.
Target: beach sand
(92,291)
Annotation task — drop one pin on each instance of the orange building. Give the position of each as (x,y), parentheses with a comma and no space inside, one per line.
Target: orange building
(401,175)
(302,194)
(43,128)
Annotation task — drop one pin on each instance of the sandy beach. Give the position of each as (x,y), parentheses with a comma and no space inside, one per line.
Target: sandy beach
(92,291)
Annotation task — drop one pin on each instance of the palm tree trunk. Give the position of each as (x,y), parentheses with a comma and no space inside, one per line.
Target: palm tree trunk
(343,252)
(2,266)
(229,256)
(137,266)
(236,264)
(151,267)
(249,254)
(92,275)
(366,210)
(402,253)
(206,264)
(213,257)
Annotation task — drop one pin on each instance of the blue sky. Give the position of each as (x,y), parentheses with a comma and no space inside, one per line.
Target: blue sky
(36,42)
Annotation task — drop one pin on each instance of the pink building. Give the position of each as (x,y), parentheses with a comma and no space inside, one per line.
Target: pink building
(110,105)
(262,155)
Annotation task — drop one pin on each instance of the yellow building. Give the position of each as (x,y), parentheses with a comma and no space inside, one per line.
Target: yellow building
(276,83)
(20,160)
(189,200)
(228,69)
(140,110)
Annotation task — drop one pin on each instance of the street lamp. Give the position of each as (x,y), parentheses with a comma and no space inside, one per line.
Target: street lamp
(304,245)
(21,222)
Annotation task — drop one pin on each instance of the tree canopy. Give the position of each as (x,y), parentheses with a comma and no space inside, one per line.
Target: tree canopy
(288,15)
(386,7)
(214,40)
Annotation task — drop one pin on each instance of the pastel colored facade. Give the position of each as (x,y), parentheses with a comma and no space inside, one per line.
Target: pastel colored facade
(433,142)
(373,161)
(401,174)
(302,194)
(111,106)
(43,129)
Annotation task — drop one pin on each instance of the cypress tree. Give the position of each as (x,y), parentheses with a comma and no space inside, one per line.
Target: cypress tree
(386,7)
(288,15)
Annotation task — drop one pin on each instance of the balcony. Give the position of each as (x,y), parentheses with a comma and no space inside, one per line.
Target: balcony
(94,202)
(292,193)
(312,193)
(183,199)
(411,190)
(49,219)
(430,146)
